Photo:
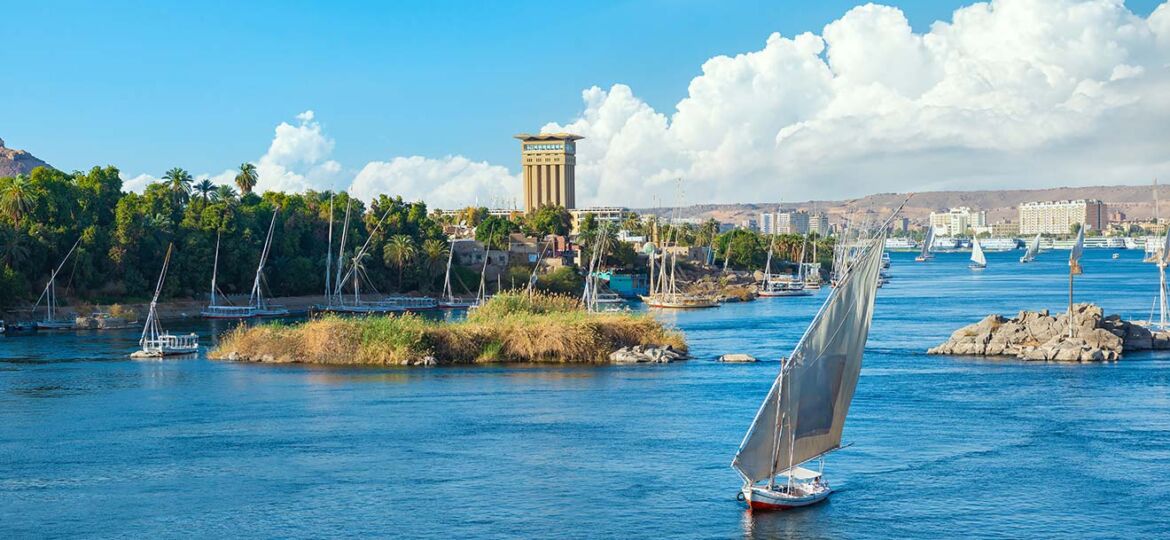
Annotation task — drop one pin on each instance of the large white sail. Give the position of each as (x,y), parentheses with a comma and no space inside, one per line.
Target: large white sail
(977,255)
(1033,248)
(804,413)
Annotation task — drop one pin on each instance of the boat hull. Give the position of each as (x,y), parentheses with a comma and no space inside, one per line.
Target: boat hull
(56,325)
(781,294)
(761,498)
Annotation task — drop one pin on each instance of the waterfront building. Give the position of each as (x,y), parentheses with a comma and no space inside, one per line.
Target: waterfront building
(768,222)
(548,162)
(956,221)
(1005,229)
(1058,217)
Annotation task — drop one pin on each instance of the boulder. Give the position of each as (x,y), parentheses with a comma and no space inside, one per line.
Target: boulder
(737,358)
(1039,336)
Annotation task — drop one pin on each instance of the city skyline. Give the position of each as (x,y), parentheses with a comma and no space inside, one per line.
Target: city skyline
(741,116)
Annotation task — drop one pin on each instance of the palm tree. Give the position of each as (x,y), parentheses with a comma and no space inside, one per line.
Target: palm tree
(435,252)
(399,251)
(246,178)
(16,197)
(179,183)
(223,193)
(14,251)
(204,188)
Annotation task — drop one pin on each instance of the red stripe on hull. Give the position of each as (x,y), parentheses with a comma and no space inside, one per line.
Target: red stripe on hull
(757,505)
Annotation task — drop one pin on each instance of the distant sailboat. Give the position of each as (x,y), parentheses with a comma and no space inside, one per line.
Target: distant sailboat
(978,259)
(1033,250)
(154,341)
(803,416)
(448,300)
(51,320)
(775,286)
(257,306)
(926,244)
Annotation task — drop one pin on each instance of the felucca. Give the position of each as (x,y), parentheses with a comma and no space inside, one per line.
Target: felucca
(803,415)
(775,286)
(448,300)
(926,245)
(664,292)
(154,341)
(257,306)
(1033,250)
(978,259)
(51,320)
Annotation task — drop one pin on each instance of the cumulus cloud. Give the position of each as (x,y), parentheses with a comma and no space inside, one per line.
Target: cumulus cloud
(298,158)
(1010,93)
(449,182)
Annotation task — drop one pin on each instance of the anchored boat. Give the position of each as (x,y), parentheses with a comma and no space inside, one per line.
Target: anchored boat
(978,259)
(52,320)
(803,415)
(154,341)
(1033,250)
(257,306)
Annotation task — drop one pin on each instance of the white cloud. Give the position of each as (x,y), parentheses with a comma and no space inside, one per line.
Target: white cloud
(1011,93)
(450,182)
(1007,94)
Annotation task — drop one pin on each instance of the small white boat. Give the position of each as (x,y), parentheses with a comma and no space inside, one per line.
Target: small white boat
(795,488)
(978,259)
(926,246)
(1033,250)
(155,342)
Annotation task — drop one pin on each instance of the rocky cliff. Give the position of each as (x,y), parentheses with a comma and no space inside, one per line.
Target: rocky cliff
(1036,335)
(14,162)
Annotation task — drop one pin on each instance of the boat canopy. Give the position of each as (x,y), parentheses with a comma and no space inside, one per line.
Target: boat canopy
(804,414)
(799,473)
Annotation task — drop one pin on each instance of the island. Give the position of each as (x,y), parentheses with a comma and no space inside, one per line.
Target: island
(513,327)
(1039,336)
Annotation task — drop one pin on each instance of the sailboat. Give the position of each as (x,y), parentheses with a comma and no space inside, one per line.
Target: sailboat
(448,300)
(1033,250)
(775,286)
(51,320)
(926,245)
(978,259)
(803,415)
(257,306)
(154,341)
(664,292)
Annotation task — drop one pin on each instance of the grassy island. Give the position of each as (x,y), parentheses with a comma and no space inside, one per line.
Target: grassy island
(511,327)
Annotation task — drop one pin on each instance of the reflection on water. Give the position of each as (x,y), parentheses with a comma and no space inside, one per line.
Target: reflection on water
(94,444)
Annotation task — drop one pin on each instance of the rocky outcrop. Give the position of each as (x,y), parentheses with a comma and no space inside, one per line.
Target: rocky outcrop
(1039,336)
(643,354)
(14,162)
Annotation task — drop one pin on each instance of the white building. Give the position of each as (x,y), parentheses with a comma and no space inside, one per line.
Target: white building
(819,223)
(1058,217)
(768,222)
(956,221)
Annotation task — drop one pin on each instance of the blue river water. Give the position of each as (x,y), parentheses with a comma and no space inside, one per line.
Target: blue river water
(95,445)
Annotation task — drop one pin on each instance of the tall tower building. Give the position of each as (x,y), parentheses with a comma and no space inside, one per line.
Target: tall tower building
(549,161)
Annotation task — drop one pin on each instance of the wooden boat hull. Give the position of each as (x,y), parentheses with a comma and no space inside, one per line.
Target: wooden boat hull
(56,325)
(781,294)
(761,498)
(695,304)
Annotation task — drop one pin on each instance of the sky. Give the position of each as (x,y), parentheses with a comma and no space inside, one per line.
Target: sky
(734,101)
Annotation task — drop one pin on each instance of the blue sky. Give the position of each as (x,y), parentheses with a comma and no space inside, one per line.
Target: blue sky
(146,86)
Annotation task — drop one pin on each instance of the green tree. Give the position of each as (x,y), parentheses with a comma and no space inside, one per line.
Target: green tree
(178,182)
(399,251)
(204,188)
(223,194)
(247,177)
(16,197)
(549,220)
(494,231)
(435,253)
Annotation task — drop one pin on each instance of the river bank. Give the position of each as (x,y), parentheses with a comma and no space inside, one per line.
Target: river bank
(510,328)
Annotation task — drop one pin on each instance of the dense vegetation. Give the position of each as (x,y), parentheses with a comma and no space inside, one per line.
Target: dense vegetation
(511,327)
(122,238)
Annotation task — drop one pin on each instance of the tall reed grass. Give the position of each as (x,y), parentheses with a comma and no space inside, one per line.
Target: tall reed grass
(511,327)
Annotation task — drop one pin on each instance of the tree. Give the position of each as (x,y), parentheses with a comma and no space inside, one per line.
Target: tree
(550,220)
(204,188)
(223,194)
(494,231)
(178,182)
(16,196)
(435,252)
(13,251)
(247,177)
(399,251)
(1074,228)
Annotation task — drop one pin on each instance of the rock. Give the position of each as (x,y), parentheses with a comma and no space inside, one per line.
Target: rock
(1038,336)
(737,358)
(640,354)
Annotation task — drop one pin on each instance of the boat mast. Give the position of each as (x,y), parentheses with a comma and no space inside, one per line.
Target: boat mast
(329,254)
(215,271)
(257,298)
(448,292)
(152,330)
(50,293)
(341,251)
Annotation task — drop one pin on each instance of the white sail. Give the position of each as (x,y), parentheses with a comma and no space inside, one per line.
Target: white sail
(1033,248)
(804,413)
(977,255)
(926,244)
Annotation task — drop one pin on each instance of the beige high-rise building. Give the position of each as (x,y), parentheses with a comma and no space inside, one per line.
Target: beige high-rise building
(549,162)
(1057,217)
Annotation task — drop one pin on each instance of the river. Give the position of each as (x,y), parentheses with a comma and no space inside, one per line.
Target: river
(93,444)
